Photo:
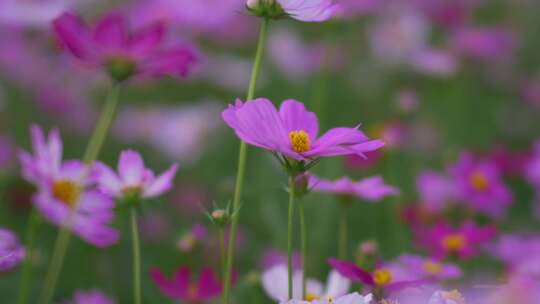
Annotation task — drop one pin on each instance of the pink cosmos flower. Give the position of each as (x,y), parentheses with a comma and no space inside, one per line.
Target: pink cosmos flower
(11,251)
(413,267)
(181,288)
(90,297)
(292,131)
(371,189)
(463,242)
(274,282)
(520,253)
(133,178)
(489,43)
(110,45)
(436,191)
(65,190)
(382,277)
(479,183)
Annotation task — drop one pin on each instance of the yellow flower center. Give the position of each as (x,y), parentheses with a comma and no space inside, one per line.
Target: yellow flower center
(192,291)
(382,277)
(311,297)
(432,267)
(386,301)
(454,242)
(454,295)
(479,181)
(300,141)
(66,191)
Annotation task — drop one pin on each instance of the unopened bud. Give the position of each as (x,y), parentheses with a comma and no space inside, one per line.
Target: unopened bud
(368,248)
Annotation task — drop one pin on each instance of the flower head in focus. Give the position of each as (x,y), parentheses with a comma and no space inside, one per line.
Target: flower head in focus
(291,133)
(123,54)
(90,297)
(463,242)
(66,194)
(181,287)
(301,10)
(11,251)
(133,179)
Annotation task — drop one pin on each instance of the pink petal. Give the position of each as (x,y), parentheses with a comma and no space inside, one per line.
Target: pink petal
(108,181)
(146,39)
(131,168)
(295,117)
(73,34)
(209,285)
(110,31)
(162,183)
(174,62)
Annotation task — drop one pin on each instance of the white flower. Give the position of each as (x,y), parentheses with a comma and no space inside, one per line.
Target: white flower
(275,284)
(352,298)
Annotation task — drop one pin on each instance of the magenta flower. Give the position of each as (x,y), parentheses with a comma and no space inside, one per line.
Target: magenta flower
(381,278)
(181,288)
(480,184)
(489,43)
(90,297)
(292,132)
(11,251)
(110,45)
(413,267)
(436,191)
(371,189)
(65,191)
(133,178)
(463,242)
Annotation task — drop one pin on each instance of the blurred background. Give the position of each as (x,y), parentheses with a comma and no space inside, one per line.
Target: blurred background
(433,78)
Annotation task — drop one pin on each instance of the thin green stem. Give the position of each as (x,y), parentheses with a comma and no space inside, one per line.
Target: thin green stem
(343,232)
(242,166)
(290,236)
(222,251)
(92,152)
(59,253)
(303,246)
(136,257)
(103,125)
(26,273)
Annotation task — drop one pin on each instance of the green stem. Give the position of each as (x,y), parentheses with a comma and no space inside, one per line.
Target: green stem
(136,257)
(290,235)
(303,247)
(103,125)
(60,248)
(222,251)
(26,273)
(92,152)
(343,232)
(242,166)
